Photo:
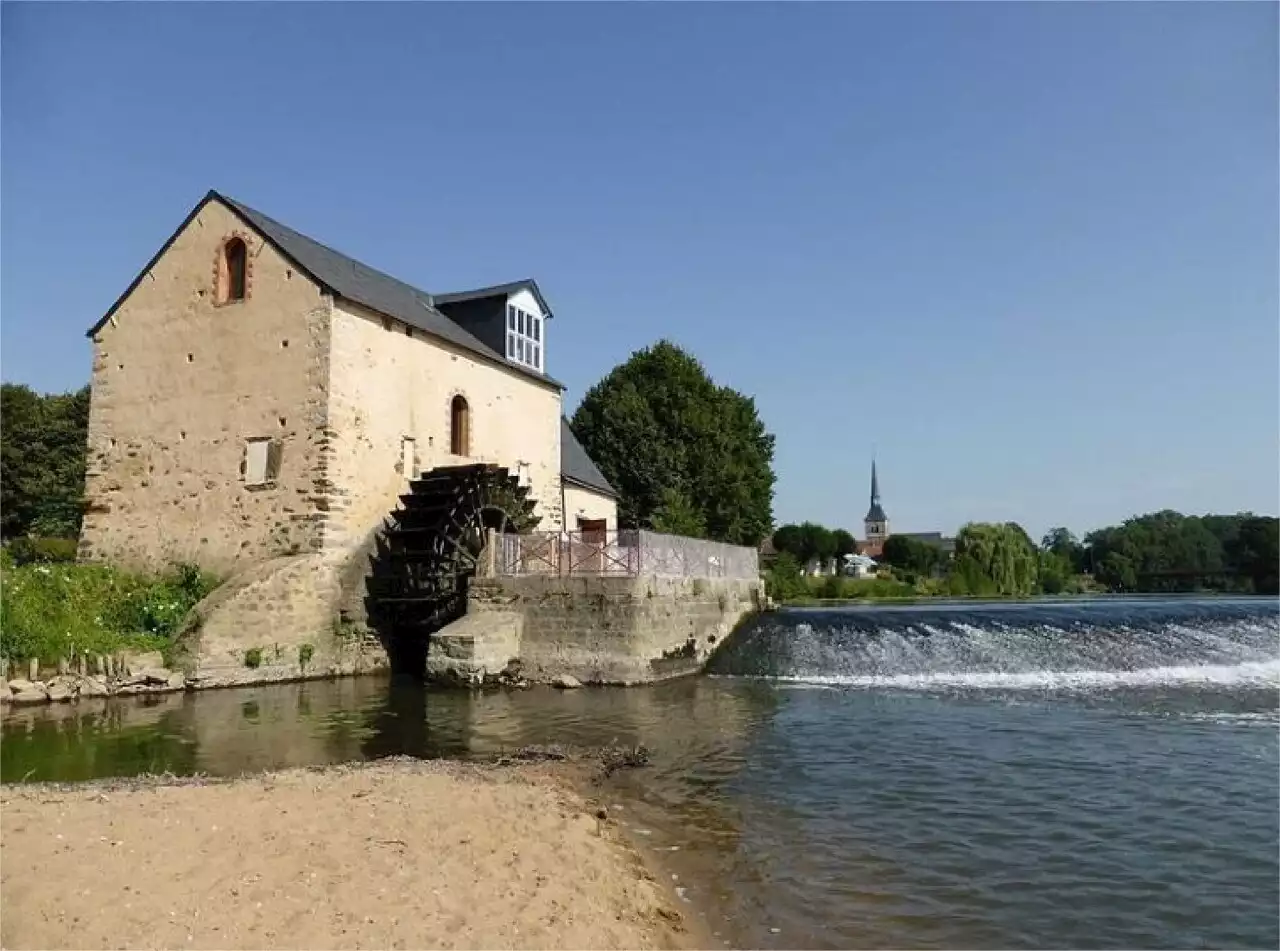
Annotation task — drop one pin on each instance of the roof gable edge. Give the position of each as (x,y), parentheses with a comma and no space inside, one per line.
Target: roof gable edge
(211,195)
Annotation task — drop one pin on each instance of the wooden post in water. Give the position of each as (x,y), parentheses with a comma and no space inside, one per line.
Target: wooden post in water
(490,552)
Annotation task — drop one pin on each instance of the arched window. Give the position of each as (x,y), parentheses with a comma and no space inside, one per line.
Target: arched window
(232,268)
(460,426)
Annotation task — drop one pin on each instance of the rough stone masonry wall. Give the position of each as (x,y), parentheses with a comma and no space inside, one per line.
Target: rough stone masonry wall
(614,629)
(390,382)
(179,384)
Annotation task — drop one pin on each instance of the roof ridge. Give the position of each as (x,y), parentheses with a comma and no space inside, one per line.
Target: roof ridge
(254,212)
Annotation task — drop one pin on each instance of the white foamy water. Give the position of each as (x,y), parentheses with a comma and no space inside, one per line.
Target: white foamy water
(1251,674)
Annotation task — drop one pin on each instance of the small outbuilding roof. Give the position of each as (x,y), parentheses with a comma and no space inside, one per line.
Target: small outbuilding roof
(577,467)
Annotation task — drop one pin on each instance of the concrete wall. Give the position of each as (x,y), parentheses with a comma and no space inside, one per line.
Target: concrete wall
(388,385)
(583,503)
(180,383)
(614,630)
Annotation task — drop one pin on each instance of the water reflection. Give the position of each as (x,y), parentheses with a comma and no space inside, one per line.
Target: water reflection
(841,818)
(321,722)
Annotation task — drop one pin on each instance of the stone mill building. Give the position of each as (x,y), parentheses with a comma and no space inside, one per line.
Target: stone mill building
(262,404)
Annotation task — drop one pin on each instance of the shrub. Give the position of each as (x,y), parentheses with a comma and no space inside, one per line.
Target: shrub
(54,610)
(830,587)
(305,653)
(253,658)
(32,550)
(783,582)
(864,588)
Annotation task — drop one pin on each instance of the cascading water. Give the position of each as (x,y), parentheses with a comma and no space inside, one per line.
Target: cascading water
(1033,645)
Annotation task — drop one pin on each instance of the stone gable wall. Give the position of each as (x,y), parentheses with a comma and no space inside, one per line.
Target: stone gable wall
(585,504)
(388,384)
(180,382)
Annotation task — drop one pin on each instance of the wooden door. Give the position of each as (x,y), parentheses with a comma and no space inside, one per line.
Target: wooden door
(595,539)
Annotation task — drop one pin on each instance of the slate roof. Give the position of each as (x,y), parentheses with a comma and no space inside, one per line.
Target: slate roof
(357,282)
(576,466)
(528,284)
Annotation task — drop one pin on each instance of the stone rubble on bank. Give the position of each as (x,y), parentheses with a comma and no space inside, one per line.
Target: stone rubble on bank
(66,687)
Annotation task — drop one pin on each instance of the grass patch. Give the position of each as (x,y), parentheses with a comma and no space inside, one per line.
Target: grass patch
(50,610)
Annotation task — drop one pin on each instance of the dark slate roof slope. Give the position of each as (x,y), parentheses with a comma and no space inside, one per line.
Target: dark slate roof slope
(576,466)
(348,278)
(373,289)
(498,290)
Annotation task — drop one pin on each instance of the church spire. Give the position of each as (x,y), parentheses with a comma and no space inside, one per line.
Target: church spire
(876,512)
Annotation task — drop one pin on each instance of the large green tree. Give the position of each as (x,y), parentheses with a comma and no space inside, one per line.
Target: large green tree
(911,554)
(1001,554)
(1254,552)
(673,443)
(807,541)
(42,461)
(845,543)
(1164,551)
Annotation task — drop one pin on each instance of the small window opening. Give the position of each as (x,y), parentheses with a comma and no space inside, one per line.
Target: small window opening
(408,466)
(261,460)
(232,271)
(459,426)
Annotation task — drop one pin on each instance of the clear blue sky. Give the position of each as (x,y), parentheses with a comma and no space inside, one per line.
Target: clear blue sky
(1027,252)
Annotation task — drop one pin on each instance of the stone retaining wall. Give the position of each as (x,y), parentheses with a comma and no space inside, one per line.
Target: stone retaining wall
(615,630)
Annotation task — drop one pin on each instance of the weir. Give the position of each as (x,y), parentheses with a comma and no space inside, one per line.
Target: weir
(1039,644)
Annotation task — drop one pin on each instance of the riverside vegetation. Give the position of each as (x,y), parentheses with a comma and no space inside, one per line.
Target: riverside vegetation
(1161,552)
(54,609)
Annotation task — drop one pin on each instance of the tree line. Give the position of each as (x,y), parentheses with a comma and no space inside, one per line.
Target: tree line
(691,457)
(42,461)
(1159,552)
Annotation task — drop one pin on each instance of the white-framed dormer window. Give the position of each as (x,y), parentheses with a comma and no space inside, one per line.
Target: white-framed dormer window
(524,337)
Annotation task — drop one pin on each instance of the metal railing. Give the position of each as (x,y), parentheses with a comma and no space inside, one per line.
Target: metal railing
(625,553)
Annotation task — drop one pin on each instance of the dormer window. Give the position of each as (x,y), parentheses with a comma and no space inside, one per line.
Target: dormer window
(524,337)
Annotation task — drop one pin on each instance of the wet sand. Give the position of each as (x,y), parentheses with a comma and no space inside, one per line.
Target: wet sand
(394,854)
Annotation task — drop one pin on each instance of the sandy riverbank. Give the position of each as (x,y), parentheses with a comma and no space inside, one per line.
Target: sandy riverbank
(403,854)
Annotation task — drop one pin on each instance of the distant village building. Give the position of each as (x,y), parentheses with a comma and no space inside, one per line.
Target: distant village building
(859,566)
(876,525)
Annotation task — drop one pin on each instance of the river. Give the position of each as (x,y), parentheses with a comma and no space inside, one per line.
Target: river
(1086,774)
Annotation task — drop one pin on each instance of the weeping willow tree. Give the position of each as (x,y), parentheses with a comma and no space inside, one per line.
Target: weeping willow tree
(995,558)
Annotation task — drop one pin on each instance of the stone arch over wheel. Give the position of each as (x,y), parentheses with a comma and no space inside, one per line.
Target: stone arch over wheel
(431,548)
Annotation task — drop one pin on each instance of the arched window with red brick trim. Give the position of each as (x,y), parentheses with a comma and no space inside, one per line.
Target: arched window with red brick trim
(233,271)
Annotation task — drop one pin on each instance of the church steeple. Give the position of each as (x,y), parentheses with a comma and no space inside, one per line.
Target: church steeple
(875,513)
(876,522)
